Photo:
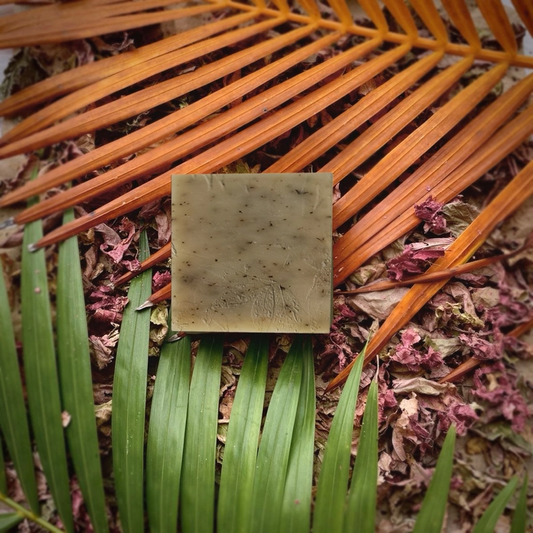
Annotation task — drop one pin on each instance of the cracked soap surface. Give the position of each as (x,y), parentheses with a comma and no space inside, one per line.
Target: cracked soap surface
(252,253)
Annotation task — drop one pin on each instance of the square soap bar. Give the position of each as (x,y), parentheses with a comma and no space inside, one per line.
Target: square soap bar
(252,253)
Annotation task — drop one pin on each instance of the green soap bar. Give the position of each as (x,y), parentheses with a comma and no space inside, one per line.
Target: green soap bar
(252,253)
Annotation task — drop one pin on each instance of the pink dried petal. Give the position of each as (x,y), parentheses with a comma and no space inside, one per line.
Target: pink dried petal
(133,266)
(504,396)
(482,349)
(411,261)
(430,211)
(412,358)
(459,414)
(160,280)
(113,246)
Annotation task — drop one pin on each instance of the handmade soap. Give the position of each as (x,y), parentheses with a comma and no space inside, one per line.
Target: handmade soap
(252,253)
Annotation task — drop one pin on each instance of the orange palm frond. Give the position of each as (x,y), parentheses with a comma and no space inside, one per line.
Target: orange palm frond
(368,78)
(509,199)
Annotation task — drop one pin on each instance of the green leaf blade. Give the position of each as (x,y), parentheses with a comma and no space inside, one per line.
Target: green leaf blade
(198,476)
(274,450)
(240,451)
(129,401)
(41,375)
(490,517)
(333,477)
(76,380)
(9,521)
(519,523)
(362,499)
(3,478)
(296,510)
(431,515)
(13,417)
(166,435)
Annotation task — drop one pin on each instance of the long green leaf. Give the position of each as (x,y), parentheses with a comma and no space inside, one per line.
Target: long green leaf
(431,514)
(3,478)
(296,510)
(166,435)
(488,521)
(361,510)
(520,513)
(40,371)
(76,381)
(240,452)
(129,401)
(274,450)
(9,521)
(333,477)
(13,419)
(199,455)
(19,514)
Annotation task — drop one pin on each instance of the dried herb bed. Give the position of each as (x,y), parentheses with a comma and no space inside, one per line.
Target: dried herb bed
(471,315)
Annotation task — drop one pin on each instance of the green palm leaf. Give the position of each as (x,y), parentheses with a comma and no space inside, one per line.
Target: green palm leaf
(129,401)
(13,417)
(76,380)
(8,521)
(362,498)
(40,370)
(275,447)
(296,509)
(3,479)
(240,450)
(519,523)
(335,470)
(166,435)
(198,476)
(431,514)
(488,521)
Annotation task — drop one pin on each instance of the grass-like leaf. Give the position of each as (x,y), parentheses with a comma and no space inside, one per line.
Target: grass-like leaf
(335,470)
(3,478)
(166,435)
(198,476)
(240,450)
(21,513)
(431,515)
(274,450)
(9,521)
(362,498)
(296,510)
(129,401)
(13,417)
(76,381)
(488,521)
(40,371)
(519,523)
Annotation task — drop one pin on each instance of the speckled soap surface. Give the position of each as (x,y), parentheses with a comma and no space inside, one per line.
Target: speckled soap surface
(252,253)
